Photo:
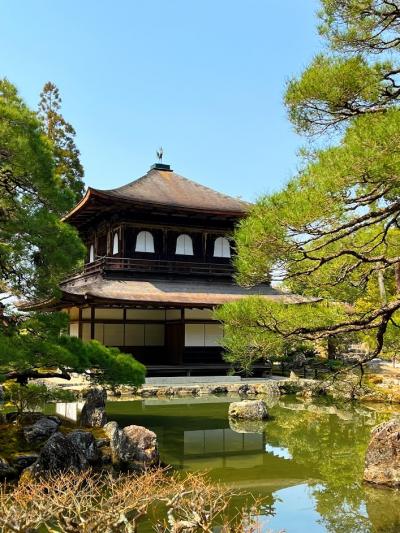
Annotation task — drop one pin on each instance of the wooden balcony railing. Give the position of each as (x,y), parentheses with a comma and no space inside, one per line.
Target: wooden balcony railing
(127,264)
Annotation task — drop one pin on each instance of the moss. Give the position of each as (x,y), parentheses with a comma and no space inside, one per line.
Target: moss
(12,441)
(290,388)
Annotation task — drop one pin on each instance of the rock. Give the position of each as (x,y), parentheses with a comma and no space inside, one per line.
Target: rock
(312,390)
(102,442)
(132,445)
(85,442)
(219,389)
(59,454)
(166,391)
(290,387)
(382,460)
(6,470)
(148,392)
(41,430)
(93,413)
(21,460)
(247,390)
(187,391)
(269,388)
(106,455)
(293,376)
(249,409)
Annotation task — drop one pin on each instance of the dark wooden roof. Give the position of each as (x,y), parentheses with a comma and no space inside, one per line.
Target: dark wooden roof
(159,293)
(169,292)
(161,187)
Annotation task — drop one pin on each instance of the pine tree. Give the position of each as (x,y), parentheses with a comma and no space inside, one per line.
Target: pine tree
(333,231)
(62,137)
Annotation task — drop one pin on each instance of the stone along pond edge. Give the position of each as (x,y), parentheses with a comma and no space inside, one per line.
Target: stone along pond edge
(56,446)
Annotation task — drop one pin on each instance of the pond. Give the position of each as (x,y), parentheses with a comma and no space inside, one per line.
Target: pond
(307,461)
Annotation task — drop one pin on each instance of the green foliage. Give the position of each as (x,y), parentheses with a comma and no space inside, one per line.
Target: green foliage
(250,329)
(327,86)
(32,347)
(61,136)
(36,248)
(30,398)
(333,231)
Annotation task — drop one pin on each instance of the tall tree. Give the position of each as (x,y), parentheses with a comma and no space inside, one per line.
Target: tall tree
(36,248)
(62,137)
(333,231)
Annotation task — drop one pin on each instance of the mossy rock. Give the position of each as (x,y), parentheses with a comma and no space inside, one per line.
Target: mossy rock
(12,441)
(290,387)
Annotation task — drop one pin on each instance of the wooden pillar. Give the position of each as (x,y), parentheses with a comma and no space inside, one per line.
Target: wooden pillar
(122,245)
(205,238)
(80,323)
(92,317)
(165,241)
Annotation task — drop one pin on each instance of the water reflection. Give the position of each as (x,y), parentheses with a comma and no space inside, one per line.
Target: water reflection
(278,451)
(307,460)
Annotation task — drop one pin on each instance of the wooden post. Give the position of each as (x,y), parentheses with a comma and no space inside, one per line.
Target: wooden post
(164,247)
(80,323)
(92,317)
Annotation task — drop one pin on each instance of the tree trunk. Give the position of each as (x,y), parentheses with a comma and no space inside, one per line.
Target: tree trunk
(331,348)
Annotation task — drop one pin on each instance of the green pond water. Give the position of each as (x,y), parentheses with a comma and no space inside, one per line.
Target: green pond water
(307,461)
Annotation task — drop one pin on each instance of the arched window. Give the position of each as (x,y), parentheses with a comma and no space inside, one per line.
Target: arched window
(184,245)
(116,243)
(222,247)
(144,242)
(91,253)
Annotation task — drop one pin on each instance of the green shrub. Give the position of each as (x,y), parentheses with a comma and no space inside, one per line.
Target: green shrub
(30,398)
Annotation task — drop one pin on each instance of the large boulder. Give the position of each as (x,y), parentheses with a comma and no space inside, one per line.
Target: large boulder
(93,413)
(382,460)
(134,446)
(59,454)
(41,430)
(85,442)
(249,410)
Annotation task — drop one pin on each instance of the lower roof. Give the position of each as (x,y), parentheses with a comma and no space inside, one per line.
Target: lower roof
(167,292)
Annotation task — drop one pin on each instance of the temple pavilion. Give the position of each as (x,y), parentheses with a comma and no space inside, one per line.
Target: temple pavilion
(158,262)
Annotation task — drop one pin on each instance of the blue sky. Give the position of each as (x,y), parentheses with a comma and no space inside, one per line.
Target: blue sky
(203,78)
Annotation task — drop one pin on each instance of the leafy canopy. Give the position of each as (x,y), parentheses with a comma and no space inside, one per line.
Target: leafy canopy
(36,248)
(333,231)
(33,348)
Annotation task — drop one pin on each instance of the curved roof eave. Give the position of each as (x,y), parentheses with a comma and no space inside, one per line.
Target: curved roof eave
(91,192)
